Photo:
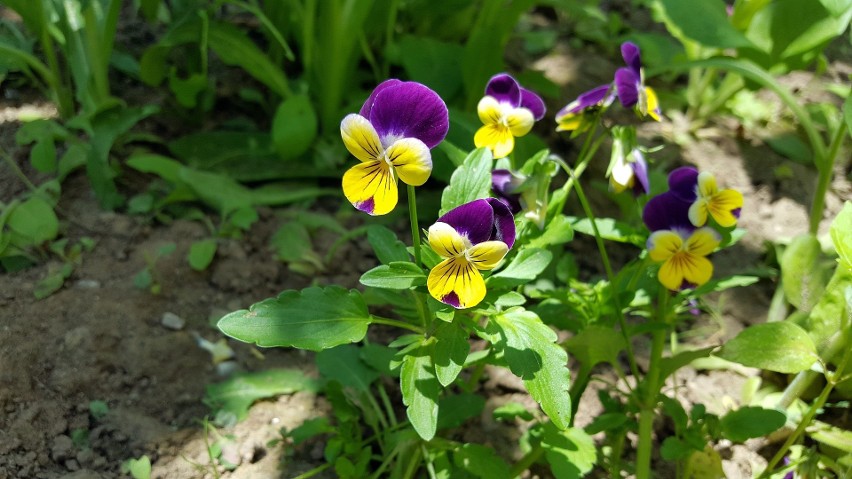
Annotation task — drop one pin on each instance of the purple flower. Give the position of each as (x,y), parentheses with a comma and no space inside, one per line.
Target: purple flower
(630,84)
(472,237)
(702,199)
(391,136)
(574,115)
(507,111)
(503,184)
(628,168)
(670,210)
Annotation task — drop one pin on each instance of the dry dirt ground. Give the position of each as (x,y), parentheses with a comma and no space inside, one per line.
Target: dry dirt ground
(101,338)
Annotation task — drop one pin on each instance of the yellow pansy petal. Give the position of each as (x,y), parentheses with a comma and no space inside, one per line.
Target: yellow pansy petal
(412,160)
(487,254)
(456,282)
(446,241)
(702,242)
(671,274)
(707,185)
(698,212)
(520,121)
(653,103)
(697,270)
(489,110)
(664,244)
(371,187)
(497,138)
(360,138)
(722,205)
(569,122)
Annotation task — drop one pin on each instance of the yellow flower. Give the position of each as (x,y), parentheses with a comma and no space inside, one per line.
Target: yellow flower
(684,258)
(724,206)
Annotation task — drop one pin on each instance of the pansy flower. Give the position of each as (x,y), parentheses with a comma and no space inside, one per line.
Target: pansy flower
(472,237)
(628,169)
(684,256)
(504,184)
(630,84)
(507,111)
(392,136)
(705,198)
(575,115)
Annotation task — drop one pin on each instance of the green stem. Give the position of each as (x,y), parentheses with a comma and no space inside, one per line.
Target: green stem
(398,324)
(825,168)
(313,472)
(832,380)
(802,382)
(18,172)
(608,268)
(383,395)
(590,146)
(615,455)
(651,388)
(527,461)
(393,10)
(415,228)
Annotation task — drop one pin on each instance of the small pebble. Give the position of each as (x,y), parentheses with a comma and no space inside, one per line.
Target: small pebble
(172,321)
(87,284)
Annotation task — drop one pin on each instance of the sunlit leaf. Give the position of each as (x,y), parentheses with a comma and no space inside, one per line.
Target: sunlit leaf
(420,389)
(525,267)
(780,346)
(235,395)
(469,182)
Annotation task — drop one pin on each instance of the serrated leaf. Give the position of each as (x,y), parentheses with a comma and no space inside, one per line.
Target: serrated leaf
(525,267)
(238,393)
(313,318)
(450,351)
(748,422)
(481,461)
(201,254)
(531,353)
(386,245)
(596,344)
(454,410)
(294,127)
(471,181)
(396,275)
(420,389)
(344,365)
(780,346)
(570,453)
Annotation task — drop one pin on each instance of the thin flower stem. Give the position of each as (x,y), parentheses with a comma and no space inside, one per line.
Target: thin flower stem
(825,168)
(415,228)
(398,324)
(527,461)
(313,472)
(651,388)
(383,395)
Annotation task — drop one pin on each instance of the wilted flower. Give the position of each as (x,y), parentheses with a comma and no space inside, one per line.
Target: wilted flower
(507,111)
(575,115)
(472,237)
(628,168)
(392,136)
(630,84)
(683,255)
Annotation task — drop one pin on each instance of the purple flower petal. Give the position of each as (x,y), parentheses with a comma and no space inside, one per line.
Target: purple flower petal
(409,110)
(627,85)
(683,182)
(503,183)
(452,299)
(632,56)
(667,211)
(368,105)
(504,222)
(475,220)
(531,101)
(504,89)
(593,97)
(641,184)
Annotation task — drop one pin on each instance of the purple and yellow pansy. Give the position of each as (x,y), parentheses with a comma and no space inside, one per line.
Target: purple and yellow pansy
(677,218)
(575,115)
(630,84)
(391,136)
(472,237)
(507,111)
(628,168)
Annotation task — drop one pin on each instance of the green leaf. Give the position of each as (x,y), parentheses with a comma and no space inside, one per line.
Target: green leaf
(525,267)
(420,389)
(721,284)
(294,127)
(471,181)
(139,468)
(33,222)
(841,227)
(596,344)
(450,351)
(386,245)
(344,365)
(704,21)
(847,114)
(673,449)
(314,319)
(512,410)
(49,285)
(481,461)
(310,429)
(673,363)
(558,231)
(43,156)
(781,347)
(454,410)
(750,421)
(201,254)
(291,242)
(396,275)
(419,55)
(235,48)
(235,395)
(610,229)
(571,453)
(792,147)
(802,274)
(531,353)
(831,313)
